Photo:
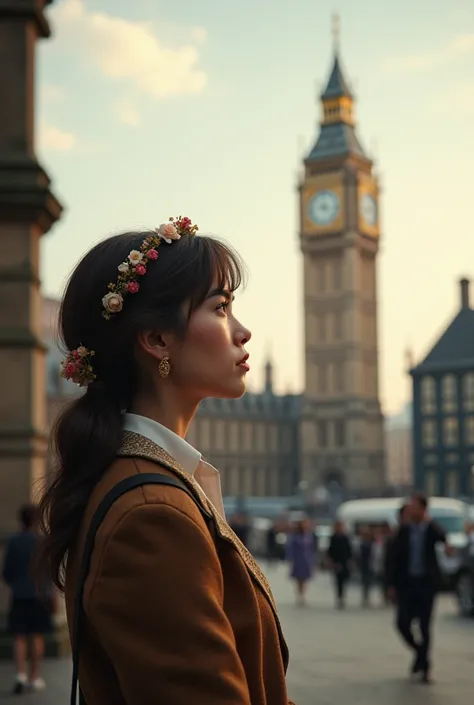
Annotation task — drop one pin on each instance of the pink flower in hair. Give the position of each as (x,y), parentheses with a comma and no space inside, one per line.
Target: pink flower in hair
(152,254)
(141,270)
(133,287)
(71,369)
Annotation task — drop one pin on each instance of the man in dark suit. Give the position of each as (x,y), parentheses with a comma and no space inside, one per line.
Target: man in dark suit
(388,552)
(415,577)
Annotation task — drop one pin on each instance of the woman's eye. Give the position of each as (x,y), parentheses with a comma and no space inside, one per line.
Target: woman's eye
(223,306)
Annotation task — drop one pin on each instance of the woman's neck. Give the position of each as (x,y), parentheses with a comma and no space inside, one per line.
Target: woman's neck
(176,417)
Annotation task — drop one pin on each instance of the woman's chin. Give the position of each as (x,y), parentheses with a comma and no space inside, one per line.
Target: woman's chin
(233,391)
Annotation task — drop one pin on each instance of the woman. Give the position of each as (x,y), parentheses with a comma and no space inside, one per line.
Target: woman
(175,610)
(300,552)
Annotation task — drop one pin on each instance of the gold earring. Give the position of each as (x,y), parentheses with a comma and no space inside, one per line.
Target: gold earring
(164,367)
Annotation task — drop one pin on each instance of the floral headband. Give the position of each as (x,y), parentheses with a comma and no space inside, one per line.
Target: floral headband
(135,266)
(77,365)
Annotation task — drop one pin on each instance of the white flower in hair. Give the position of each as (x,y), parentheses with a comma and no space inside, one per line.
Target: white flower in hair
(168,232)
(123,267)
(112,302)
(135,257)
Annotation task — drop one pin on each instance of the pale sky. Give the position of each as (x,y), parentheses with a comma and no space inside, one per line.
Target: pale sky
(154,108)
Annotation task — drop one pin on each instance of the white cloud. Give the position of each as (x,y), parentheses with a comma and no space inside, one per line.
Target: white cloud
(53,138)
(128,113)
(454,49)
(129,51)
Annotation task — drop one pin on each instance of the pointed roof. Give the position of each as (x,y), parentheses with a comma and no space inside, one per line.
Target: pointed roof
(337,86)
(454,350)
(334,140)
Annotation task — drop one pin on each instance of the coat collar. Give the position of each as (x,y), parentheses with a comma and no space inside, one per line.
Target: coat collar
(137,446)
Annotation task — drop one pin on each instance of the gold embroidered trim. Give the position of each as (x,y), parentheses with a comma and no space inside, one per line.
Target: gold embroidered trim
(135,445)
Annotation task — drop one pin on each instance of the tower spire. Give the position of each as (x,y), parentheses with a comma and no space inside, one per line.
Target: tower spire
(337,136)
(336,31)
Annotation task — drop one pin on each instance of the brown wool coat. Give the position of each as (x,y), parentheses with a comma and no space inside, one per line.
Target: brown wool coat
(177,611)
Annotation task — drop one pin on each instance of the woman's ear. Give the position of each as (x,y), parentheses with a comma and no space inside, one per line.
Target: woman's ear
(155,344)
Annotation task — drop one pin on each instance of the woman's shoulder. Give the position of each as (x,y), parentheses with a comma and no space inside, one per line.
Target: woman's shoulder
(156,497)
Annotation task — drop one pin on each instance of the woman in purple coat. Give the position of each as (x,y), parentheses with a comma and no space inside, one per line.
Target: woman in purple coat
(301,555)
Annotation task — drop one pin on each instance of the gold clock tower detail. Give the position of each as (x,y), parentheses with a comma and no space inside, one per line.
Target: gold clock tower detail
(342,425)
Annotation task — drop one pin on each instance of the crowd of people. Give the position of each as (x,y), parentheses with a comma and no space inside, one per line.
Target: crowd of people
(400,561)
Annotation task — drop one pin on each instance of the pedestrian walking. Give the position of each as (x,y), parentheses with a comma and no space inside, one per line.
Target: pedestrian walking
(301,555)
(415,578)
(340,556)
(31,607)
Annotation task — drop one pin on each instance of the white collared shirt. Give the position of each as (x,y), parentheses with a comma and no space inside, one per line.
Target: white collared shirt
(188,457)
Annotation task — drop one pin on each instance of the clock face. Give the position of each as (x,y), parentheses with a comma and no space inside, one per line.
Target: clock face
(323,207)
(368,209)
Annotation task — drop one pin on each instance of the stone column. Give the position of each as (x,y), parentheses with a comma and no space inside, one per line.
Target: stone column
(28,209)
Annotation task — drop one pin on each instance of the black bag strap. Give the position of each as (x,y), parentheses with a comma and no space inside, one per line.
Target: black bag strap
(117,491)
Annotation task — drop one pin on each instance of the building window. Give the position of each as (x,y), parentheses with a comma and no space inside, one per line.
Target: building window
(450,432)
(234,435)
(248,436)
(323,379)
(468,391)
(338,326)
(260,429)
(337,274)
(429,439)
(452,483)
(273,438)
(449,394)
(469,430)
(322,276)
(428,395)
(340,377)
(204,435)
(322,328)
(431,483)
(339,432)
(322,434)
(219,435)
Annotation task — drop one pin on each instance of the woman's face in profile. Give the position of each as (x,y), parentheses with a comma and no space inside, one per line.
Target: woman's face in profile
(211,360)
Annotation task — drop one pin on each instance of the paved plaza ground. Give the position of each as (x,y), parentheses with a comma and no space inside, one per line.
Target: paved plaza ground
(351,657)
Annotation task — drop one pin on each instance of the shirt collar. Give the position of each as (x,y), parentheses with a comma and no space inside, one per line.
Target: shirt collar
(187,456)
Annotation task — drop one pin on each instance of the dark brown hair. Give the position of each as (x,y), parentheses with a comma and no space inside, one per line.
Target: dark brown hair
(87,435)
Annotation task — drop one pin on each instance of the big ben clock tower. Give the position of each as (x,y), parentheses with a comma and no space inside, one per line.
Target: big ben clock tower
(342,426)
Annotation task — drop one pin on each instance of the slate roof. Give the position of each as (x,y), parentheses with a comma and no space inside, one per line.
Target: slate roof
(265,405)
(454,350)
(336,139)
(337,85)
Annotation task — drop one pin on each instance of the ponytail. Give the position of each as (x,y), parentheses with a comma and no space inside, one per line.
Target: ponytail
(86,438)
